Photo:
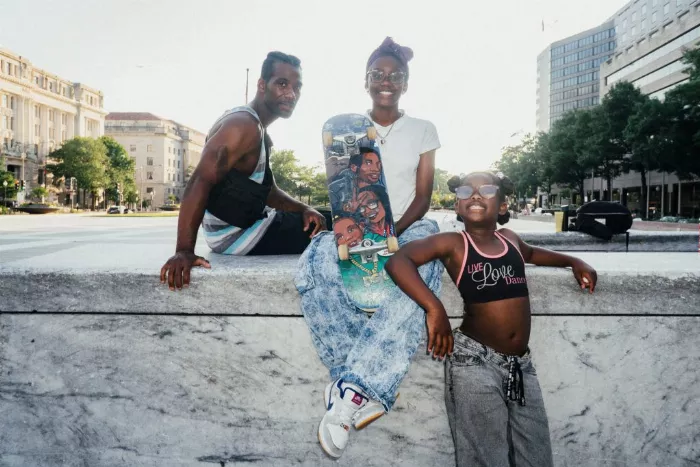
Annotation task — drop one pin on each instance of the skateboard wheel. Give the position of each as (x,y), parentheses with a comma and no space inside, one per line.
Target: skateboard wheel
(343,252)
(327,138)
(372,133)
(392,244)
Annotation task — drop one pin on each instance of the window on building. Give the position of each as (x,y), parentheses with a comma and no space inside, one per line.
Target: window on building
(644,10)
(654,2)
(51,114)
(37,113)
(634,31)
(12,102)
(149,191)
(132,148)
(178,164)
(178,177)
(653,17)
(149,161)
(643,25)
(679,3)
(169,150)
(149,148)
(63,135)
(149,175)
(634,17)
(667,8)
(4,100)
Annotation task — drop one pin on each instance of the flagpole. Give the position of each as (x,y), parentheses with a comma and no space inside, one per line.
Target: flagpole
(246,85)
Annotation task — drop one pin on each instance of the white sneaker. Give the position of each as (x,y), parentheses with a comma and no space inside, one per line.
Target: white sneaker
(372,411)
(343,400)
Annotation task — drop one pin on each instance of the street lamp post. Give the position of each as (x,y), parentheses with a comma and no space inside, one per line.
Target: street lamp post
(4,198)
(23,156)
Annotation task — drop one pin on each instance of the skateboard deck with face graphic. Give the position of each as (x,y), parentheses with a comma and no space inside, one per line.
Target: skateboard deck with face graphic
(362,221)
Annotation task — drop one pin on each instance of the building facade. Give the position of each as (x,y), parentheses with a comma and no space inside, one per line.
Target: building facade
(568,75)
(651,36)
(38,112)
(165,152)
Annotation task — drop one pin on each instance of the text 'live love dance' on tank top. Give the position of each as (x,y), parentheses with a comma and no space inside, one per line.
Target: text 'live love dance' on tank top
(488,278)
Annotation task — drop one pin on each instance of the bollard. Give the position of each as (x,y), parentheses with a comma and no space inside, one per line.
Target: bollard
(559,221)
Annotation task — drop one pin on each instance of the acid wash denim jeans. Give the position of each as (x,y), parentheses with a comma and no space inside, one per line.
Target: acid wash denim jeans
(372,352)
(489,429)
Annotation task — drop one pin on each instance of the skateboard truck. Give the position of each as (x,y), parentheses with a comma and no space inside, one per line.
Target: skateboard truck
(349,140)
(368,250)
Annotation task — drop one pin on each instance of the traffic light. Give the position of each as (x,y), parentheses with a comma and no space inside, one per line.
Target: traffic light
(21,185)
(16,184)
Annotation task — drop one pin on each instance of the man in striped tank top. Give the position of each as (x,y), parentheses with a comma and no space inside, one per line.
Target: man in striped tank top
(232,192)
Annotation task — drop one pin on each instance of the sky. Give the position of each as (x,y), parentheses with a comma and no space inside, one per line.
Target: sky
(473,74)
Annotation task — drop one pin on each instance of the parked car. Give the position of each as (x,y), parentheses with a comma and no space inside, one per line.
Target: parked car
(117,210)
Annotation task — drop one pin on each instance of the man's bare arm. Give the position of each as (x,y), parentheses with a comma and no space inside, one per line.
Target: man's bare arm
(237,135)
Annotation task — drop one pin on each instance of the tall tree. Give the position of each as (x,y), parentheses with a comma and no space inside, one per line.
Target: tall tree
(86,160)
(120,171)
(607,144)
(568,147)
(6,176)
(683,104)
(542,161)
(319,189)
(647,137)
(284,166)
(440,181)
(520,165)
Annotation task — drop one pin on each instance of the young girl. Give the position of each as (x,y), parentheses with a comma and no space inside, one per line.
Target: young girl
(489,373)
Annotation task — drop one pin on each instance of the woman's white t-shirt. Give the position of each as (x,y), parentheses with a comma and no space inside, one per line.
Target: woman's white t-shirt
(404,143)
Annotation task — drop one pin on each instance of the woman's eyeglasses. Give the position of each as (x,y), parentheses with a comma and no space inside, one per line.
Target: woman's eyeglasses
(377,76)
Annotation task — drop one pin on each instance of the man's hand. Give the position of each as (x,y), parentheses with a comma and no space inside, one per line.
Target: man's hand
(312,216)
(177,269)
(585,275)
(440,339)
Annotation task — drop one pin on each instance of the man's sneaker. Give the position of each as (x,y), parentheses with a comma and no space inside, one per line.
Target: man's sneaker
(372,411)
(342,401)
